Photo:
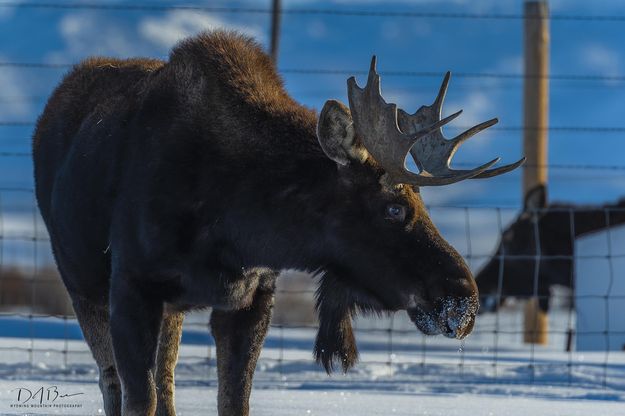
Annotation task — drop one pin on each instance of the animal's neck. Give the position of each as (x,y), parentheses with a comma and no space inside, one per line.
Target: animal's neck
(282,213)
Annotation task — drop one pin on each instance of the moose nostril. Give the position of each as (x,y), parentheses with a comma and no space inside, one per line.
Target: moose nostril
(457,315)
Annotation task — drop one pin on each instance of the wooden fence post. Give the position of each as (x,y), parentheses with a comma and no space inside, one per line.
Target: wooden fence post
(536,122)
(276,12)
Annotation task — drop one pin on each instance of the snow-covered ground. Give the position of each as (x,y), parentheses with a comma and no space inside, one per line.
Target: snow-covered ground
(400,373)
(199,400)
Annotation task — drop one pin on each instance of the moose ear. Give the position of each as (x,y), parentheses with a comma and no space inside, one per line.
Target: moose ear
(536,198)
(335,132)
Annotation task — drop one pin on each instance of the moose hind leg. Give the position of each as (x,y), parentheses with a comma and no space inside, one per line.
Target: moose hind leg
(94,322)
(166,358)
(239,337)
(136,316)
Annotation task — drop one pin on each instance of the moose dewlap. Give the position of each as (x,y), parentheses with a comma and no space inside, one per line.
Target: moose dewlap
(167,186)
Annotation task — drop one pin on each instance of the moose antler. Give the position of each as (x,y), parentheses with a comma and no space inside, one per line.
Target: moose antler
(389,135)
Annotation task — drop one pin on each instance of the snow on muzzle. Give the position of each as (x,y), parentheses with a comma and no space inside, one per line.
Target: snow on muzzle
(451,316)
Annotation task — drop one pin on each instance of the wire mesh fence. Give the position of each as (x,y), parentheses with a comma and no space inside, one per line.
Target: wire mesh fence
(39,335)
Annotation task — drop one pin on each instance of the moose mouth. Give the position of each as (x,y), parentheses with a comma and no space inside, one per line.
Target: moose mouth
(452,317)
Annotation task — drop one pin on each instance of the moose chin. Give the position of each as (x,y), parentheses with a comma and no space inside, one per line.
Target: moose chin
(168,186)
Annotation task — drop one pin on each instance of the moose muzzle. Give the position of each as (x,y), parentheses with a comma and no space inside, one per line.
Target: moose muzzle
(450,316)
(450,304)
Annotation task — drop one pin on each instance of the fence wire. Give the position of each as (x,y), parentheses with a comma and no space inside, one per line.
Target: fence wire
(164,7)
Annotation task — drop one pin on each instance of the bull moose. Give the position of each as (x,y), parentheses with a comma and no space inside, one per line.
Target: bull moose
(169,186)
(536,249)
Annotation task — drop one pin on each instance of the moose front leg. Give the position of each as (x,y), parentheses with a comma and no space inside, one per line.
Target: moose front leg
(166,358)
(239,337)
(135,321)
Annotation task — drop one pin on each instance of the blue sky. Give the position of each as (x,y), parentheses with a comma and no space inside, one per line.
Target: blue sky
(347,42)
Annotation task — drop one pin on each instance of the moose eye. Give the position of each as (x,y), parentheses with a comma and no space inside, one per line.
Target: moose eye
(396,212)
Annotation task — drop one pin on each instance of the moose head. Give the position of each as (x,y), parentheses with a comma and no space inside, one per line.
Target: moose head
(387,255)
